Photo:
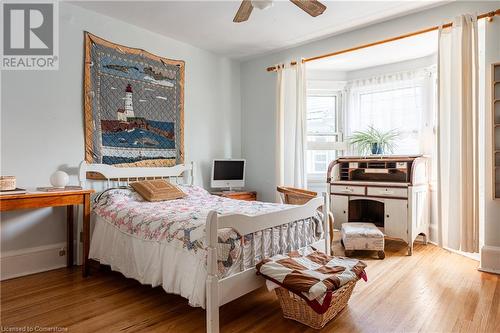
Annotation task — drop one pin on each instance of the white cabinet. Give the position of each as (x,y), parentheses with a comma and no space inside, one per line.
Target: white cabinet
(395,219)
(339,206)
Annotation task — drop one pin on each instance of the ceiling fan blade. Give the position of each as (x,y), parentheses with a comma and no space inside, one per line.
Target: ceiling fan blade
(311,7)
(243,12)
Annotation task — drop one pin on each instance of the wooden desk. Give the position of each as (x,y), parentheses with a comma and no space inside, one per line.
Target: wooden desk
(37,199)
(238,195)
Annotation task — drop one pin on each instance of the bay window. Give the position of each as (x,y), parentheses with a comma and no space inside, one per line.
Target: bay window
(404,102)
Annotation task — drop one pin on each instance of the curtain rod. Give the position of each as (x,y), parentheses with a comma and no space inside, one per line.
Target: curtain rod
(488,15)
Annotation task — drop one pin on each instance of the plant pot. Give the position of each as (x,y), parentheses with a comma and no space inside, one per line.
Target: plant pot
(377,149)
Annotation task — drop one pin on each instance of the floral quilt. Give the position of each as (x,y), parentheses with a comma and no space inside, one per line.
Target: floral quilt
(181,222)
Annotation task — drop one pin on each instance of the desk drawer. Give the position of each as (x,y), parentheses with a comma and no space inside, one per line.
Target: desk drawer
(388,192)
(346,189)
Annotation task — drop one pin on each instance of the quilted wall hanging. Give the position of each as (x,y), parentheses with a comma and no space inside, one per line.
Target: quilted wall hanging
(134,106)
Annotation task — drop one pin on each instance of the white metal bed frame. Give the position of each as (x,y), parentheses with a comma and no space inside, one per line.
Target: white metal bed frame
(220,291)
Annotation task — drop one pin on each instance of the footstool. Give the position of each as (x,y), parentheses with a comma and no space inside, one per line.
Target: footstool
(362,236)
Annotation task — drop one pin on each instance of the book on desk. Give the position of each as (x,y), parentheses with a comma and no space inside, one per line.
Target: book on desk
(14,191)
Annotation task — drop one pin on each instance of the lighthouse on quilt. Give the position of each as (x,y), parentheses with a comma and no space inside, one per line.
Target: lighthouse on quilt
(128,111)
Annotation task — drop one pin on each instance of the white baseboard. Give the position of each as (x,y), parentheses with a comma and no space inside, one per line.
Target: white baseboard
(32,260)
(473,256)
(486,270)
(490,259)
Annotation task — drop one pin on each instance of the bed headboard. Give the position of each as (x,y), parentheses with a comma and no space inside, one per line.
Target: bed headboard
(122,176)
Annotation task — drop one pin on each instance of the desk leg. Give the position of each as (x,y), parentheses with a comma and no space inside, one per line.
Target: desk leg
(69,230)
(86,234)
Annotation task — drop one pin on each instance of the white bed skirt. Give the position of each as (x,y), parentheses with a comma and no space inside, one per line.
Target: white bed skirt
(177,271)
(180,271)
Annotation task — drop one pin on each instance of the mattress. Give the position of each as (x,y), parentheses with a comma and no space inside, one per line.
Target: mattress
(163,243)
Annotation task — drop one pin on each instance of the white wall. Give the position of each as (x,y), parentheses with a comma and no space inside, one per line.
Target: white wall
(258,85)
(490,252)
(42,117)
(325,75)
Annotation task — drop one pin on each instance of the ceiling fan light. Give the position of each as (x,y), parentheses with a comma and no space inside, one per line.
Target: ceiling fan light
(262,4)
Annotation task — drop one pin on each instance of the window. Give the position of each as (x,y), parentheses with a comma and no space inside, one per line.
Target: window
(403,101)
(322,132)
(399,109)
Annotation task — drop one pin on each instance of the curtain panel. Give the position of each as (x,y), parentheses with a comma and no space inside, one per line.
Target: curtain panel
(458,154)
(291,126)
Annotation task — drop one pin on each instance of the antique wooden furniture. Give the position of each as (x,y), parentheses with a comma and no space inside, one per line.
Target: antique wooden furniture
(69,199)
(238,195)
(495,98)
(218,291)
(389,191)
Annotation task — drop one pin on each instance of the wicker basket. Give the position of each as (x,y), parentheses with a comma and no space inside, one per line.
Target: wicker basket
(297,309)
(7,183)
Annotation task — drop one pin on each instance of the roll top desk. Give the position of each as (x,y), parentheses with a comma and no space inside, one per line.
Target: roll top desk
(390,191)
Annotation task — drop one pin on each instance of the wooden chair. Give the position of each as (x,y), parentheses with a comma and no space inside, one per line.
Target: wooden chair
(298,196)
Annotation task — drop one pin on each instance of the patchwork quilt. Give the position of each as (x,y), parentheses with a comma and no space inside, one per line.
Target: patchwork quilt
(311,274)
(181,222)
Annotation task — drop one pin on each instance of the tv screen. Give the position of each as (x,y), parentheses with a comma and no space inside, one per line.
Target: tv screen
(228,170)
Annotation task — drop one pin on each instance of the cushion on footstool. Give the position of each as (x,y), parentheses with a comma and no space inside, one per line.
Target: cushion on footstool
(362,236)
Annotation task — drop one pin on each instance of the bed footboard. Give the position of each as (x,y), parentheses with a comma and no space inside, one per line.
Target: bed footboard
(221,291)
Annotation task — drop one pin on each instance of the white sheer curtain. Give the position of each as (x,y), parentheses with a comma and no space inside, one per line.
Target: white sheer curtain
(291,126)
(458,136)
(402,101)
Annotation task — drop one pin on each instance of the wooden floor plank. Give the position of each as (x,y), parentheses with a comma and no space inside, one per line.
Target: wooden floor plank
(432,291)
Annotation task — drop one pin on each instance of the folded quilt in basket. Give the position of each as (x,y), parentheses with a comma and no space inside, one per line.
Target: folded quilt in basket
(311,274)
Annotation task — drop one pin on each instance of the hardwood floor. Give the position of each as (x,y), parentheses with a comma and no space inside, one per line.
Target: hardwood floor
(432,291)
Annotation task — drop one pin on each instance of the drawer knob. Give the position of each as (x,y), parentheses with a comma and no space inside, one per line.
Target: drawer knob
(387,216)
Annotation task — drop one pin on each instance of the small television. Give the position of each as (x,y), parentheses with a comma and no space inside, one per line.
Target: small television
(228,173)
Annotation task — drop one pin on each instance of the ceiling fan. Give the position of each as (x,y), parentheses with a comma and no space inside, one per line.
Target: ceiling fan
(311,7)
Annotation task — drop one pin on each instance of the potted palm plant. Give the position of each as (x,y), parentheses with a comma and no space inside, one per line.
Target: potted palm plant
(374,141)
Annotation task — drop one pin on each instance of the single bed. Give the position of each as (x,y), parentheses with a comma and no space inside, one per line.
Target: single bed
(194,246)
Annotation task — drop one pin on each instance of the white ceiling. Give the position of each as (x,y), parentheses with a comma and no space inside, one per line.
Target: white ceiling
(404,49)
(208,24)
